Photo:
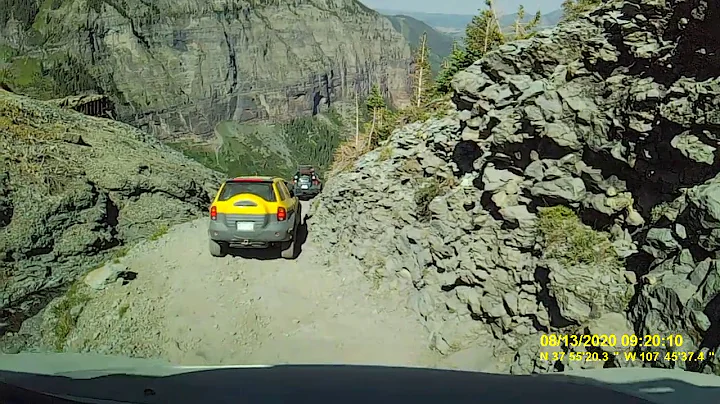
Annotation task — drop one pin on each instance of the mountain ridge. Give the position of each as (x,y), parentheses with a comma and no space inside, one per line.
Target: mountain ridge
(454,24)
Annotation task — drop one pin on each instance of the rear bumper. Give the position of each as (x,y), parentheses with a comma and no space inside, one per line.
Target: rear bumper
(309,191)
(274,233)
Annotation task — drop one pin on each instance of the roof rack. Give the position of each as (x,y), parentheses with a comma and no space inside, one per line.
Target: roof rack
(305,168)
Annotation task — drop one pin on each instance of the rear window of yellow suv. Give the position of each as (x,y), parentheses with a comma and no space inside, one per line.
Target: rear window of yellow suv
(263,190)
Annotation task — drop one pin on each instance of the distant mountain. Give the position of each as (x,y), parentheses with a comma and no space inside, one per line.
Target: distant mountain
(454,25)
(546,20)
(412,29)
(441,22)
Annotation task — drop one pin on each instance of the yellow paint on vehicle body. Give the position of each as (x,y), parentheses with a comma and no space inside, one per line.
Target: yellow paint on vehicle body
(262,207)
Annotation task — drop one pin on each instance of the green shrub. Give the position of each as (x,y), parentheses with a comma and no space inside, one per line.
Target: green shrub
(65,317)
(430,189)
(567,239)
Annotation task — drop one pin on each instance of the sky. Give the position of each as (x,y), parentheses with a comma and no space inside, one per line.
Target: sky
(462,6)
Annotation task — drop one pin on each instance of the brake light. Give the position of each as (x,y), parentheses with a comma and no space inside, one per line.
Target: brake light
(281,214)
(213,212)
(249,179)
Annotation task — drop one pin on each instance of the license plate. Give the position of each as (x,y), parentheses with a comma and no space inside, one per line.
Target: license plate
(304,186)
(245,226)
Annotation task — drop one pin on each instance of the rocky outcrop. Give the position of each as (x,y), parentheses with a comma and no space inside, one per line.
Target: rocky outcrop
(76,190)
(609,120)
(178,68)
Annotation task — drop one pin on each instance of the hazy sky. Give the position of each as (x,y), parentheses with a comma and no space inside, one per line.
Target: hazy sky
(462,6)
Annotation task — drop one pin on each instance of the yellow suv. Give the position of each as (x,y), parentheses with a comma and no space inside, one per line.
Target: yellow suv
(254,212)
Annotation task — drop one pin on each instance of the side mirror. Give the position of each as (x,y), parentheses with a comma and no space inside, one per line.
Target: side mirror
(292,192)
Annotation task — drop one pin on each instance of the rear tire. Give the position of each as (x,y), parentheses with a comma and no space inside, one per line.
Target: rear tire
(288,250)
(216,249)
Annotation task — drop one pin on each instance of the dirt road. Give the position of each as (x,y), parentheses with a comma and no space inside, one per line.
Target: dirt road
(191,308)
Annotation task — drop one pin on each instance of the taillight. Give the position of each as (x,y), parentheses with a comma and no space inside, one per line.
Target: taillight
(213,213)
(281,214)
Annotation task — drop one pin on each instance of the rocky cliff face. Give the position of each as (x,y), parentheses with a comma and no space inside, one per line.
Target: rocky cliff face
(74,191)
(611,120)
(181,67)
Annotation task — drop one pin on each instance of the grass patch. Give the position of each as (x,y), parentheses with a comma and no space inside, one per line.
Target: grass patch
(348,153)
(430,189)
(385,153)
(159,232)
(119,253)
(570,241)
(7,53)
(65,316)
(122,310)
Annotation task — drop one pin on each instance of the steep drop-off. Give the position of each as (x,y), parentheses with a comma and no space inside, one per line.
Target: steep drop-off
(180,67)
(76,190)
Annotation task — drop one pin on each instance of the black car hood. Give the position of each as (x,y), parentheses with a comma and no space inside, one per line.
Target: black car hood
(155,382)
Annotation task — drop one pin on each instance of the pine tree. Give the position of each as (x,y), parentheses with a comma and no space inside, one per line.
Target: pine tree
(483,33)
(375,100)
(422,77)
(525,30)
(457,61)
(375,105)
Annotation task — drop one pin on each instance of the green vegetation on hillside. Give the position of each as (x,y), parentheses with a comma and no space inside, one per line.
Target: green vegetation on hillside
(55,76)
(268,149)
(487,31)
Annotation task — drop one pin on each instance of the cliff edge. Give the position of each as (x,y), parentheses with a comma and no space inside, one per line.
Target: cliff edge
(75,191)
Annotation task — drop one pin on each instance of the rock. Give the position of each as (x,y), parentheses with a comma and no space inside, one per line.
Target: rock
(612,324)
(634,218)
(693,148)
(76,205)
(495,179)
(563,118)
(101,277)
(569,189)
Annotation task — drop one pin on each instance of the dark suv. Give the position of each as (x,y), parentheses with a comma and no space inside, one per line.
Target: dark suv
(306,182)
